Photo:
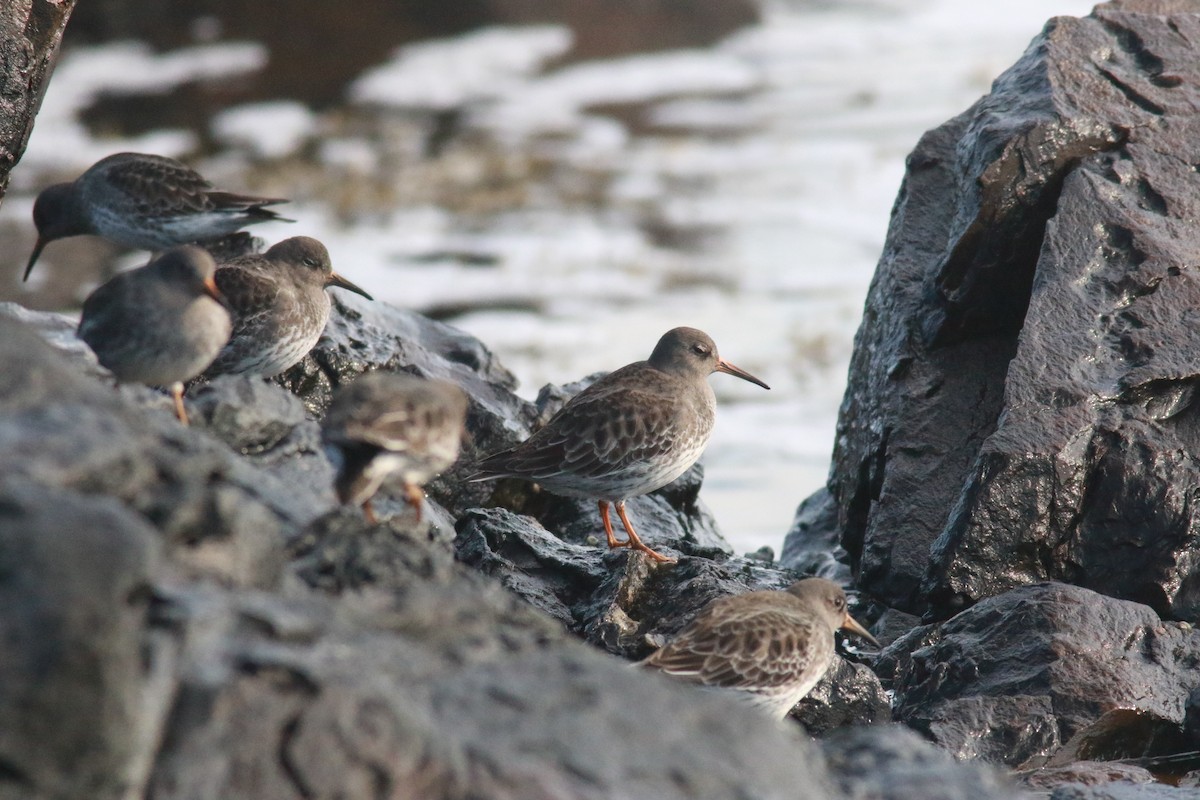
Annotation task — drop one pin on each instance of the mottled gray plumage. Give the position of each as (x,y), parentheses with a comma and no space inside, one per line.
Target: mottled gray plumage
(773,646)
(279,305)
(631,432)
(160,324)
(143,201)
(393,427)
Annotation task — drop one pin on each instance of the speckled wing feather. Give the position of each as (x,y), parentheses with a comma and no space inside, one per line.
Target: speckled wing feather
(759,642)
(258,305)
(247,289)
(154,186)
(609,426)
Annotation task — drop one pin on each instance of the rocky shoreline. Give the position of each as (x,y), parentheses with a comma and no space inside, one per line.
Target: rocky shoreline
(188,614)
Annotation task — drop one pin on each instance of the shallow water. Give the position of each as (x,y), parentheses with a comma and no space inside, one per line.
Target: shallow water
(568,212)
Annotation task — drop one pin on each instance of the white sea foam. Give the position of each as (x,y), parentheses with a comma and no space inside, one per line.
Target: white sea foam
(447,73)
(60,141)
(268,130)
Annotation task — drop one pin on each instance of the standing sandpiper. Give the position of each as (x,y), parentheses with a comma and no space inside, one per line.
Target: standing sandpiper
(387,425)
(773,646)
(145,202)
(631,432)
(160,324)
(279,306)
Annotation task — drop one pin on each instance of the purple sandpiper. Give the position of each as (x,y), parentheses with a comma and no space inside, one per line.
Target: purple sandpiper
(160,324)
(279,306)
(143,201)
(631,432)
(772,646)
(389,426)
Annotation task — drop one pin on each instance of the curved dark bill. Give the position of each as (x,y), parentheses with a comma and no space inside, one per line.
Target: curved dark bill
(738,372)
(342,283)
(852,625)
(37,251)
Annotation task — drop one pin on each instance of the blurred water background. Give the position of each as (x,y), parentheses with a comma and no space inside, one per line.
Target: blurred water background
(565,180)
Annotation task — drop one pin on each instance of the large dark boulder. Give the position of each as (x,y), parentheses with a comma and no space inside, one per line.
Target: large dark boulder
(889,762)
(1021,404)
(1046,675)
(76,576)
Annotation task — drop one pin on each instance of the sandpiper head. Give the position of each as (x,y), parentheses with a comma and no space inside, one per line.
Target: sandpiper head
(191,267)
(829,601)
(692,352)
(311,259)
(56,216)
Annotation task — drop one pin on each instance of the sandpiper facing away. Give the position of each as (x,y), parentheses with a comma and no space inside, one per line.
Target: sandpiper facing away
(160,324)
(143,201)
(772,646)
(389,426)
(631,432)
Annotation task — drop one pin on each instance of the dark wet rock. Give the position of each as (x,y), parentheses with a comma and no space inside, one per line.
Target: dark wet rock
(1137,737)
(671,520)
(630,606)
(848,694)
(888,762)
(811,545)
(1037,673)
(1021,397)
(892,624)
(249,414)
(75,586)
(389,664)
(551,575)
(61,428)
(1122,791)
(1088,773)
(619,600)
(323,707)
(267,424)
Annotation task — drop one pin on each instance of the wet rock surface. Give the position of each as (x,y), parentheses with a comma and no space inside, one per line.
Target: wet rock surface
(1021,398)
(75,583)
(1049,674)
(1122,791)
(889,762)
(242,605)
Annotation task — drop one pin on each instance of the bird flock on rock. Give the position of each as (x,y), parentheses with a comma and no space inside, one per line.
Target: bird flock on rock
(184,316)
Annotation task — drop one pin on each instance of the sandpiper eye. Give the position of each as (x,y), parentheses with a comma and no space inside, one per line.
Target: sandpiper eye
(311,262)
(839,603)
(700,349)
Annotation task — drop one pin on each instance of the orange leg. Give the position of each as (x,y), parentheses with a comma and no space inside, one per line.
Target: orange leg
(414,496)
(369,512)
(612,539)
(635,541)
(177,394)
